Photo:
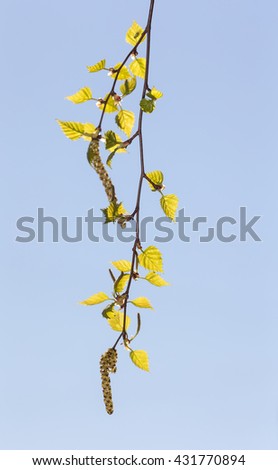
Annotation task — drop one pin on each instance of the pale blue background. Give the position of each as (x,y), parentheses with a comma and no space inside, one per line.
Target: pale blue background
(212,338)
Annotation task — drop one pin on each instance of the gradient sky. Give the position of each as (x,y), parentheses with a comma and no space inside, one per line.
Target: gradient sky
(212,338)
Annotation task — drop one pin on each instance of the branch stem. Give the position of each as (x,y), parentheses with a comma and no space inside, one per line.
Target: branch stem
(139,133)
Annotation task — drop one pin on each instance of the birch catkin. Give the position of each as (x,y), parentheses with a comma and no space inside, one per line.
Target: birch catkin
(108,362)
(95,161)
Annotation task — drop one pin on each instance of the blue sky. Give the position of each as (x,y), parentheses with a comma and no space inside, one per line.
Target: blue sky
(212,338)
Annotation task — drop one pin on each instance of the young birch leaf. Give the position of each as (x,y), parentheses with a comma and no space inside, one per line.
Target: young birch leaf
(113,143)
(138,67)
(97,67)
(118,147)
(169,204)
(117,322)
(123,74)
(84,94)
(89,130)
(156,177)
(154,93)
(111,156)
(95,299)
(72,130)
(125,120)
(156,280)
(111,106)
(128,86)
(138,328)
(121,283)
(113,212)
(134,33)
(109,312)
(151,259)
(122,265)
(147,105)
(110,139)
(140,359)
(141,302)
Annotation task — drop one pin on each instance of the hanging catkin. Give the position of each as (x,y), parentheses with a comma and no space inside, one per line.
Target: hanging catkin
(95,161)
(108,362)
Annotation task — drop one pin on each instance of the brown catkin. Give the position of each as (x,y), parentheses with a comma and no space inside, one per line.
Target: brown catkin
(95,161)
(108,364)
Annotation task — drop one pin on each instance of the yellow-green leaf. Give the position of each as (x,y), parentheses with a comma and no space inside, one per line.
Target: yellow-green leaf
(110,139)
(110,157)
(138,67)
(140,359)
(121,283)
(123,74)
(72,130)
(169,204)
(122,265)
(117,322)
(138,328)
(95,299)
(113,142)
(89,130)
(128,86)
(97,67)
(111,106)
(113,212)
(134,33)
(156,177)
(151,259)
(84,94)
(147,105)
(109,312)
(156,280)
(141,302)
(154,93)
(118,147)
(125,120)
